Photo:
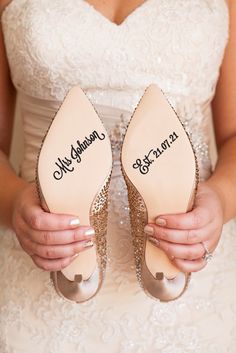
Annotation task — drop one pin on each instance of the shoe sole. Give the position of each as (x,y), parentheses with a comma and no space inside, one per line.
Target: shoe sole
(73,173)
(160,169)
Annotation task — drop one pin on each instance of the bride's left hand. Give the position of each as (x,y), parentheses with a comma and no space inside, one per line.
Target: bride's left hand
(181,235)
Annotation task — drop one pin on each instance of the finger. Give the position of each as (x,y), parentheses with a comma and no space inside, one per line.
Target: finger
(195,219)
(190,266)
(189,236)
(20,228)
(51,265)
(58,251)
(25,246)
(38,219)
(61,237)
(185,252)
(208,249)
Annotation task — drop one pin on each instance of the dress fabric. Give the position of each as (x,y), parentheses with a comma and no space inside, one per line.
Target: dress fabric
(54,45)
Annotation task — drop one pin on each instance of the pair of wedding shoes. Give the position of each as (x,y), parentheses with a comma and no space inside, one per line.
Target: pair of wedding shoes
(160,169)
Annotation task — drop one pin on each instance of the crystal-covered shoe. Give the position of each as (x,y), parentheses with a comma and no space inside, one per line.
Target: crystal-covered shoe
(73,173)
(160,169)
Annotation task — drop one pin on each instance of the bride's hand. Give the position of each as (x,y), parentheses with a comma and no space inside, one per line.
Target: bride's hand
(181,236)
(52,240)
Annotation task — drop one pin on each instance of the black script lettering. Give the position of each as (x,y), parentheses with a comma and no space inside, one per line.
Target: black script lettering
(88,141)
(95,135)
(63,165)
(147,160)
(85,145)
(143,168)
(79,149)
(75,153)
(138,165)
(144,164)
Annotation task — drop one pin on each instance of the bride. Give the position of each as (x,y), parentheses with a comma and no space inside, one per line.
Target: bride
(113,50)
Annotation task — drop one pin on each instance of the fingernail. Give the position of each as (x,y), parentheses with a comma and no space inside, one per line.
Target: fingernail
(74,222)
(88,244)
(89,232)
(154,241)
(161,222)
(148,230)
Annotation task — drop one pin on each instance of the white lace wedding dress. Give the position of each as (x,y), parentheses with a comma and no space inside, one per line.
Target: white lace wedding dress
(53,45)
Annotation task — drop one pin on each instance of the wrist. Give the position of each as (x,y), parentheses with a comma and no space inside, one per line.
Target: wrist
(16,190)
(218,189)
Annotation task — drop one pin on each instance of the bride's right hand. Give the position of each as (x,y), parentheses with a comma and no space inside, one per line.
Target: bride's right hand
(52,240)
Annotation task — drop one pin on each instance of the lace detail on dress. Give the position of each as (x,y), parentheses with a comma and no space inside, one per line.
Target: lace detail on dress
(115,72)
(169,49)
(116,320)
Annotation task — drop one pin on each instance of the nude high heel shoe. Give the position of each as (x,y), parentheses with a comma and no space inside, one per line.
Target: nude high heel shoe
(161,174)
(73,173)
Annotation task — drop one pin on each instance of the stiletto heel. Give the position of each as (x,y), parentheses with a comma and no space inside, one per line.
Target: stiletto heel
(73,174)
(161,173)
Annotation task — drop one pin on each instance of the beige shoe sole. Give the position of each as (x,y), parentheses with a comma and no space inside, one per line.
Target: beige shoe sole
(73,173)
(161,173)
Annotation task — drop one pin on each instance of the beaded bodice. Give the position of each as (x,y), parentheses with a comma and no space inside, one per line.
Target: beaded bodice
(53,45)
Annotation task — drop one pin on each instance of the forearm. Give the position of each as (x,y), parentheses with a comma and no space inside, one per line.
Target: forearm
(223,180)
(10,186)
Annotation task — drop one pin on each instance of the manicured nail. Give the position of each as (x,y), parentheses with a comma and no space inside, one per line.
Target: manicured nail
(161,222)
(74,222)
(89,232)
(88,244)
(149,230)
(154,241)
